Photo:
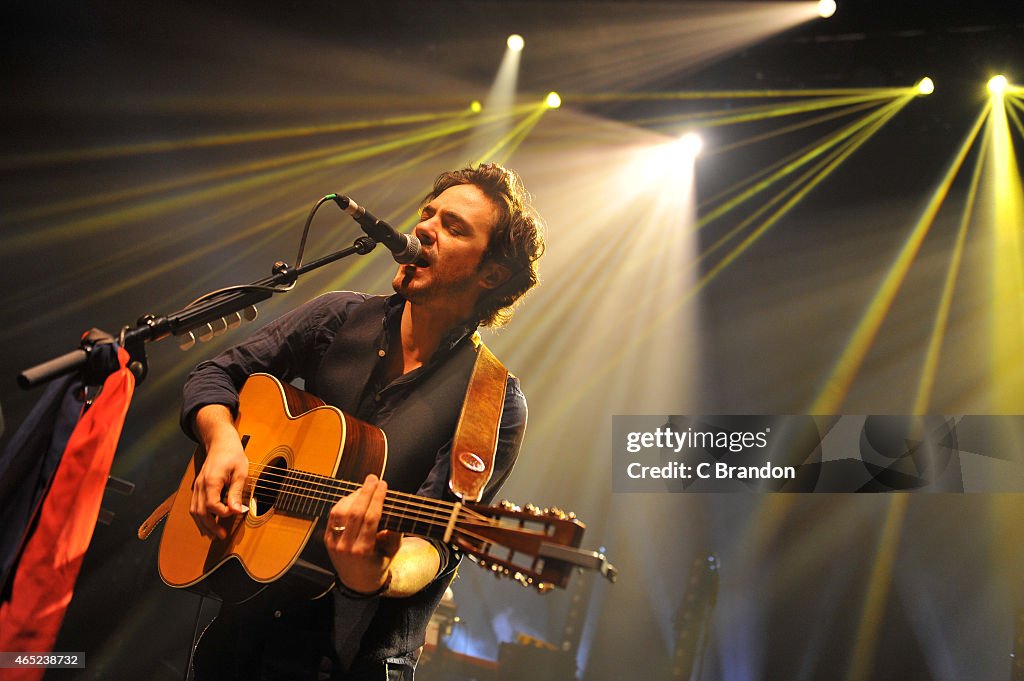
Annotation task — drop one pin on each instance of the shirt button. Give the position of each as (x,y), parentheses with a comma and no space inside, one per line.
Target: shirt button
(381,353)
(277,614)
(376,398)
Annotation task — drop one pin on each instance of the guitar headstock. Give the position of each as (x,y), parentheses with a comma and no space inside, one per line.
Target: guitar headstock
(536,547)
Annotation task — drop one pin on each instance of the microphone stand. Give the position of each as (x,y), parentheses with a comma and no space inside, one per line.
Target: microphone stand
(209,315)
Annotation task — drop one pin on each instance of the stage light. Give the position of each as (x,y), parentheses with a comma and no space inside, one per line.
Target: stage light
(670,162)
(926,86)
(475,106)
(691,144)
(553,101)
(997,85)
(515,42)
(826,8)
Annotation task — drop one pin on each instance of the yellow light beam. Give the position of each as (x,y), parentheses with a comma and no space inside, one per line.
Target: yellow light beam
(869,625)
(97,153)
(94,200)
(778,132)
(789,189)
(668,311)
(832,162)
(815,151)
(714,119)
(185,181)
(1007,306)
(129,282)
(931,360)
(862,137)
(1017,104)
(783,162)
(522,128)
(733,94)
(840,378)
(279,191)
(76,229)
(147,245)
(292,103)
(363,181)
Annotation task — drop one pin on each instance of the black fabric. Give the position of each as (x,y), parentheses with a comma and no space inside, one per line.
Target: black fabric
(344,372)
(424,420)
(27,467)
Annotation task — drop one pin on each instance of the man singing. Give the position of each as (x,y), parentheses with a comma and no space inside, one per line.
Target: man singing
(401,363)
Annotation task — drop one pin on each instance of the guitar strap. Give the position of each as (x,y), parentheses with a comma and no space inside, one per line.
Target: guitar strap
(476,436)
(158,514)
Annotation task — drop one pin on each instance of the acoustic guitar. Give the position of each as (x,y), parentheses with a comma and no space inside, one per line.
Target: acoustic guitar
(303,457)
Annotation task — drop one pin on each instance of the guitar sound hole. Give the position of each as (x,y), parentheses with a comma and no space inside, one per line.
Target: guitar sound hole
(268,486)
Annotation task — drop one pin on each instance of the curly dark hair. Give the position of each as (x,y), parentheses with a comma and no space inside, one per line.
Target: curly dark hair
(516,241)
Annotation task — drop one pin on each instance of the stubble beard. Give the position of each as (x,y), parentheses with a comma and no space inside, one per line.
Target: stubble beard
(438,292)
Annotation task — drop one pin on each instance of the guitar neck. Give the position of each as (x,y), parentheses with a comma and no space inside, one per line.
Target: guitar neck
(311,496)
(537,547)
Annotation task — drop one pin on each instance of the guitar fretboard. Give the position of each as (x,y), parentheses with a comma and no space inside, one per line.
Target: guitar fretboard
(311,496)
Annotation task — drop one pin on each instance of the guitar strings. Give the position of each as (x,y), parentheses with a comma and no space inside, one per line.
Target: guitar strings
(336,485)
(433,521)
(317,486)
(400,512)
(329,485)
(321,485)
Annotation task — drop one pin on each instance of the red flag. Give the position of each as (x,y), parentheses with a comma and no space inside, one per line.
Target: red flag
(49,565)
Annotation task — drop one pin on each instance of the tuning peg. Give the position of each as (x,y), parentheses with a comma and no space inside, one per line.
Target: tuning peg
(533,510)
(205,333)
(220,326)
(544,587)
(250,313)
(233,320)
(556,512)
(188,341)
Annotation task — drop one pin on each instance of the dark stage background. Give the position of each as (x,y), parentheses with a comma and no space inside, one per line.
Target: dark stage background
(153,152)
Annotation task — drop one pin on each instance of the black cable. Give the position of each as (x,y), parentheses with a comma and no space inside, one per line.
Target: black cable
(232,289)
(309,221)
(195,639)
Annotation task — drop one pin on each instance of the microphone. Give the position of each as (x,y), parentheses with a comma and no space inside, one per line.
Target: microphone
(405,248)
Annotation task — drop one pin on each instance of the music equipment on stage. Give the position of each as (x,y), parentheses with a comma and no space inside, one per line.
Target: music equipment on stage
(405,248)
(299,466)
(536,661)
(442,622)
(693,619)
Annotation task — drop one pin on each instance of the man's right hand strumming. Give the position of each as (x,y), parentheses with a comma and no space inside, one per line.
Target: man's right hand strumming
(223,474)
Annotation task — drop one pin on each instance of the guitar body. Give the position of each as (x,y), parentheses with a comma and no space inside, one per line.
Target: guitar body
(282,429)
(303,457)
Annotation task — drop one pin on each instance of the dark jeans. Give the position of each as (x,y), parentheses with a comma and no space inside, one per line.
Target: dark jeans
(238,646)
